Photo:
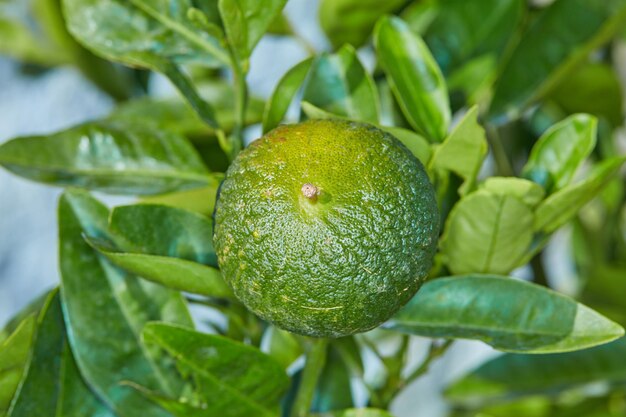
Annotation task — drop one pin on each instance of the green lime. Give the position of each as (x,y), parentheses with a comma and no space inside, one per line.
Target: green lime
(326,228)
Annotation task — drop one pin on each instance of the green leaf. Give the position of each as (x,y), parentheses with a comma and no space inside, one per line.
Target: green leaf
(333,389)
(487,233)
(414,76)
(357,412)
(17,41)
(174,273)
(351,21)
(339,84)
(474,79)
(560,151)
(14,353)
(232,379)
(281,346)
(177,251)
(117,158)
(171,115)
(175,116)
(526,191)
(138,32)
(463,151)
(152,34)
(281,98)
(105,311)
(245,21)
(200,200)
(466,29)
(562,206)
(165,231)
(510,376)
(561,38)
(51,384)
(596,89)
(417,144)
(508,314)
(77,400)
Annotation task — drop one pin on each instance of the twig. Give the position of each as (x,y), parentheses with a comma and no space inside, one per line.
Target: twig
(315,360)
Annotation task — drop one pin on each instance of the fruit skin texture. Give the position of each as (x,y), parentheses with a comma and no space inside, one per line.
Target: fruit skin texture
(326,228)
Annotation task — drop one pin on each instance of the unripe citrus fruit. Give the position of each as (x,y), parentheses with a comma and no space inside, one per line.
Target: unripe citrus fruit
(325,228)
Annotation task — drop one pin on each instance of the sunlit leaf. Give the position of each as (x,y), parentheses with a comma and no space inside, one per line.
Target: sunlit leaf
(414,76)
(508,314)
(563,205)
(155,35)
(463,151)
(106,310)
(339,84)
(51,384)
(231,379)
(14,354)
(117,158)
(487,233)
(560,151)
(245,21)
(526,191)
(283,94)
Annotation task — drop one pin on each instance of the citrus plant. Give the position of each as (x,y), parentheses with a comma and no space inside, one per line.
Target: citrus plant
(408,203)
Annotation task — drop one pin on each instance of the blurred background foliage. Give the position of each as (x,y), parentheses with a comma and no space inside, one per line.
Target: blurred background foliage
(526,65)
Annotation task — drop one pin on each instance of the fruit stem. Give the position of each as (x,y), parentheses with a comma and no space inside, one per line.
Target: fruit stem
(310,191)
(315,360)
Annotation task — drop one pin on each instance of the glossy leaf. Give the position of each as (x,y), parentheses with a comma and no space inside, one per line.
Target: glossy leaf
(176,116)
(562,37)
(508,314)
(339,84)
(357,412)
(14,354)
(155,35)
(111,157)
(138,32)
(174,273)
(414,76)
(510,375)
(466,29)
(526,191)
(172,115)
(351,21)
(231,379)
(51,384)
(281,346)
(283,94)
(563,205)
(595,89)
(106,309)
(417,144)
(560,151)
(200,200)
(164,231)
(333,390)
(245,21)
(487,233)
(463,151)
